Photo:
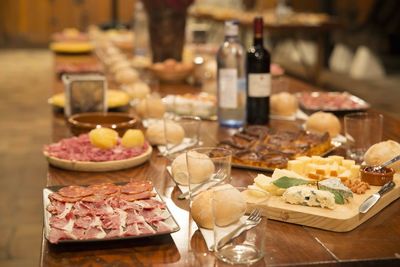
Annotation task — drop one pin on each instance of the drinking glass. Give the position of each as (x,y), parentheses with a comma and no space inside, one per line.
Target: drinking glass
(233,246)
(207,167)
(362,130)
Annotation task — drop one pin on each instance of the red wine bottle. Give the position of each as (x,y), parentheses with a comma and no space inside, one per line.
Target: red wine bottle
(258,79)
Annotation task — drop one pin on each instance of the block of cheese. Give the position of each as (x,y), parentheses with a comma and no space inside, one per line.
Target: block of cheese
(320,168)
(308,196)
(342,193)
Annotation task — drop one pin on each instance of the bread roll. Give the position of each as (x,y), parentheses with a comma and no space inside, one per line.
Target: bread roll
(230,205)
(137,90)
(322,122)
(381,152)
(284,104)
(120,65)
(200,167)
(126,76)
(151,108)
(179,170)
(155,133)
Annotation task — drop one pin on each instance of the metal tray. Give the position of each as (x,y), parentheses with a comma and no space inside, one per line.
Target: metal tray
(46,191)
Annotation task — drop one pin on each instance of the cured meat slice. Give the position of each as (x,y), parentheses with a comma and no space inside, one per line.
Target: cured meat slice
(132,230)
(136,187)
(75,191)
(95,233)
(110,221)
(151,216)
(113,233)
(94,198)
(162,227)
(153,203)
(138,196)
(56,235)
(104,189)
(81,210)
(145,228)
(58,197)
(83,222)
(58,223)
(78,233)
(134,218)
(56,207)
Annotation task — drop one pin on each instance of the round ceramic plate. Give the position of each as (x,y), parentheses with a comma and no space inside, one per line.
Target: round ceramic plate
(71,47)
(88,166)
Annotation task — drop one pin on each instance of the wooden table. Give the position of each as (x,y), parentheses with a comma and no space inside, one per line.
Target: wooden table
(376,242)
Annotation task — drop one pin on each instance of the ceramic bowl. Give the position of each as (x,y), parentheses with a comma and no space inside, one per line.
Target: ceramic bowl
(84,122)
(375,177)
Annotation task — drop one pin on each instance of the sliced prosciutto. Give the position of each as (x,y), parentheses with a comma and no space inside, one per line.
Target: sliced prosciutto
(105,211)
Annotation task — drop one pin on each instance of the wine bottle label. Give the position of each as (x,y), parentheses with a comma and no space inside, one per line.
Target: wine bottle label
(259,84)
(227,85)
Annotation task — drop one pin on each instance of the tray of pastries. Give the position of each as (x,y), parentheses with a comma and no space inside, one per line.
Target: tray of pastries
(263,148)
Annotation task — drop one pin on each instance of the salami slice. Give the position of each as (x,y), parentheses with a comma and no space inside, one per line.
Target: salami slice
(75,191)
(136,187)
(58,197)
(94,198)
(104,189)
(138,196)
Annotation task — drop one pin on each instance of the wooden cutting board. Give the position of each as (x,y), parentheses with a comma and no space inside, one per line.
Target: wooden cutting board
(343,218)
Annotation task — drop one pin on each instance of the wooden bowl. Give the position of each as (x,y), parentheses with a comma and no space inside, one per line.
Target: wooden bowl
(84,122)
(377,178)
(172,75)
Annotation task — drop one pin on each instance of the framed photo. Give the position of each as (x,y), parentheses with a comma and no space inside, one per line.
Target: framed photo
(84,93)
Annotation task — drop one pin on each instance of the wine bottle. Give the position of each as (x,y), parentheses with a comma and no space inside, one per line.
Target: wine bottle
(231,79)
(258,86)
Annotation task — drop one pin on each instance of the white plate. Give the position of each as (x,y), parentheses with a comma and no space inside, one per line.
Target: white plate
(89,166)
(46,201)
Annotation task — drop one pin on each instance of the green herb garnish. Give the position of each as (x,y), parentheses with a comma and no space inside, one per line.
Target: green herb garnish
(286,182)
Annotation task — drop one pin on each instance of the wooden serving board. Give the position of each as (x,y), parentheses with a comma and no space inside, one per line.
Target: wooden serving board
(343,218)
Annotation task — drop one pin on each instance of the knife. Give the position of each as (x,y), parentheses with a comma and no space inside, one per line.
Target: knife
(369,202)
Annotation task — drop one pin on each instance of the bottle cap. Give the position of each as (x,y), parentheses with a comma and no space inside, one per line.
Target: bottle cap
(231,28)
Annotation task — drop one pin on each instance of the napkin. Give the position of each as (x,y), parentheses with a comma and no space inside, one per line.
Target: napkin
(208,234)
(186,143)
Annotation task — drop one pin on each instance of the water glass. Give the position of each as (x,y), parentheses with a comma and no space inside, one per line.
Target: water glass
(362,130)
(245,246)
(207,167)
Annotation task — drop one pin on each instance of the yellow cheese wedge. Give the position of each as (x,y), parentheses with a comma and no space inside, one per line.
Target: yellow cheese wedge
(296,166)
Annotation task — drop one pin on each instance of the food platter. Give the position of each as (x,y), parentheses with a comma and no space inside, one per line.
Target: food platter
(89,166)
(169,220)
(71,47)
(334,145)
(343,218)
(336,102)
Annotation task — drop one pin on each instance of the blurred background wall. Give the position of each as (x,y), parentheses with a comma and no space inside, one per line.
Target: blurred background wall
(31,22)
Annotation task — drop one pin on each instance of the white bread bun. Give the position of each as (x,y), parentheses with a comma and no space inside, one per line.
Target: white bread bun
(155,133)
(138,90)
(200,166)
(179,169)
(322,122)
(120,65)
(284,104)
(381,152)
(229,203)
(126,76)
(151,107)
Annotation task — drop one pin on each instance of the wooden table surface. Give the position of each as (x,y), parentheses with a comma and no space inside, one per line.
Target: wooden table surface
(376,242)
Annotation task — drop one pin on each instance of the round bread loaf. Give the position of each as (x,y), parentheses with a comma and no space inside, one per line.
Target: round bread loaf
(200,167)
(155,133)
(284,104)
(228,202)
(322,122)
(138,90)
(126,76)
(381,152)
(151,108)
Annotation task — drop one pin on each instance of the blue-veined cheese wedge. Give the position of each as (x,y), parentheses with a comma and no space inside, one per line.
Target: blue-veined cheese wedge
(308,196)
(342,193)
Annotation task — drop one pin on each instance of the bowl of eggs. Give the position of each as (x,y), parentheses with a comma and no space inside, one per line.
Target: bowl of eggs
(171,70)
(84,122)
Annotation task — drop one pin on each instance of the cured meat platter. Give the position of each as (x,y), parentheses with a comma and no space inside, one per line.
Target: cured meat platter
(343,218)
(89,166)
(103,212)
